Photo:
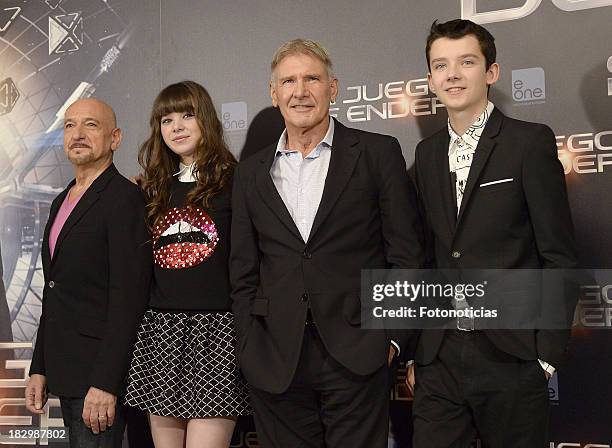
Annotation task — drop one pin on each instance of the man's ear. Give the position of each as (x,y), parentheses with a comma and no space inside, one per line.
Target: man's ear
(493,74)
(334,89)
(116,138)
(273,94)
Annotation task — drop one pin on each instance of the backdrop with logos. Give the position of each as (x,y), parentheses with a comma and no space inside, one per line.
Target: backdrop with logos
(556,68)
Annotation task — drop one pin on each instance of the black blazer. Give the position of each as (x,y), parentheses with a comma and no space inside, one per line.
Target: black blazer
(524,223)
(96,289)
(367,218)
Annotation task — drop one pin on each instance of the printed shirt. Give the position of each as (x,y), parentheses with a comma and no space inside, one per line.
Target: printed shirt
(191,251)
(461,150)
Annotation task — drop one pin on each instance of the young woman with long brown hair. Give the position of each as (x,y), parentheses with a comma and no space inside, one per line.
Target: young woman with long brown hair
(183,372)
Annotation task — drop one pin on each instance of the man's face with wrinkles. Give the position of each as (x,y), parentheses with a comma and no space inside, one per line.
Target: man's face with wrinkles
(90,135)
(302,90)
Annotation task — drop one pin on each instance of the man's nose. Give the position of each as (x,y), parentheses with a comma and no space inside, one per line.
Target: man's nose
(300,90)
(453,72)
(78,132)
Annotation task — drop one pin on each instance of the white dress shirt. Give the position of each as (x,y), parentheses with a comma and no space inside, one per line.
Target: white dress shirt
(300,180)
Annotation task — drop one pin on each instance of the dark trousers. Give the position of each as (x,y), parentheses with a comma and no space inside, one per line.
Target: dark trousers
(83,437)
(472,388)
(138,429)
(326,405)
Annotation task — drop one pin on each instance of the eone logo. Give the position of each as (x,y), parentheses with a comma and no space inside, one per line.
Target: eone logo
(468,9)
(528,84)
(234,116)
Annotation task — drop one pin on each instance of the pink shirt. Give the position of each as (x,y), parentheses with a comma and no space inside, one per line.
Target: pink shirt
(60,219)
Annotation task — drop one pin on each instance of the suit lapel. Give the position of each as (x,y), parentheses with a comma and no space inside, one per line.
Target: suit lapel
(344,156)
(55,206)
(486,144)
(89,198)
(270,194)
(444,184)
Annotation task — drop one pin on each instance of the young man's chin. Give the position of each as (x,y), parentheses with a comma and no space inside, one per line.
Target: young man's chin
(458,105)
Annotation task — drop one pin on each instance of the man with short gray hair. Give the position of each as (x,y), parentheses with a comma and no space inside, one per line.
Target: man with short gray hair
(309,213)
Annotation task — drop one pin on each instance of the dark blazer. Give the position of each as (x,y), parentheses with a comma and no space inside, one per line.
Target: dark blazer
(96,288)
(525,223)
(367,218)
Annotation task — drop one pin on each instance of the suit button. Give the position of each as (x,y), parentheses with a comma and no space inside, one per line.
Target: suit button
(456,254)
(307,255)
(304,297)
(51,284)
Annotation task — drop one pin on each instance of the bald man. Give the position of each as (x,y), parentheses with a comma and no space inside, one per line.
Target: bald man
(97,265)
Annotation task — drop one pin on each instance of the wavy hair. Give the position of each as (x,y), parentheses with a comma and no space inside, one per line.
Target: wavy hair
(213,162)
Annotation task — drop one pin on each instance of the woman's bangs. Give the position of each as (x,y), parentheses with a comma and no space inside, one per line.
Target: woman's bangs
(173,99)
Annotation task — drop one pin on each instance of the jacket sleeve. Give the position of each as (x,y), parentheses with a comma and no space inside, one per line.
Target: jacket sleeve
(38,357)
(244,258)
(547,202)
(401,226)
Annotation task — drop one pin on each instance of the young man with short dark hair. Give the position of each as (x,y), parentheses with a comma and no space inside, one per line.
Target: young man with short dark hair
(494,197)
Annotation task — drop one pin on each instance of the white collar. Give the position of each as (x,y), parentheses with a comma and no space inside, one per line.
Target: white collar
(281,146)
(185,173)
(472,135)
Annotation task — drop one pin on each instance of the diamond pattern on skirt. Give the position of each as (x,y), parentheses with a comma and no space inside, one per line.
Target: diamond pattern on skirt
(184,366)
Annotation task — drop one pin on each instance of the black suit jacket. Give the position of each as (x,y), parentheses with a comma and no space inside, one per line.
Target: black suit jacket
(525,223)
(96,289)
(367,218)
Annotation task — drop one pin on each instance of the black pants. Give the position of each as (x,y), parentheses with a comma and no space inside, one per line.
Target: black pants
(326,405)
(472,388)
(81,436)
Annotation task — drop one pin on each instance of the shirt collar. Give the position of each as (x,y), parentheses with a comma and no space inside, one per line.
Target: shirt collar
(281,146)
(472,135)
(185,173)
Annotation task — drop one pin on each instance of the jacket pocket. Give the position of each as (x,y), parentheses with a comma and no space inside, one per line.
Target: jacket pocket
(92,327)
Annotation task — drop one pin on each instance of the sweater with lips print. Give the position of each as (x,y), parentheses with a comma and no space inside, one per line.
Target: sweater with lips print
(191,250)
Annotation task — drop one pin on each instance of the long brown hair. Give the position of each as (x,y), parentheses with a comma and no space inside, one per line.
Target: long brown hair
(213,162)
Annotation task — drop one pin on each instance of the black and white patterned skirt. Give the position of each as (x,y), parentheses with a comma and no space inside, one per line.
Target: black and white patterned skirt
(184,366)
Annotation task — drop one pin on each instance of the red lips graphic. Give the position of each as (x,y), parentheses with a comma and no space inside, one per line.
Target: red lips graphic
(191,245)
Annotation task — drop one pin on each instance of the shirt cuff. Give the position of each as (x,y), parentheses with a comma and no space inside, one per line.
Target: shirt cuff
(547,367)
(397,347)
